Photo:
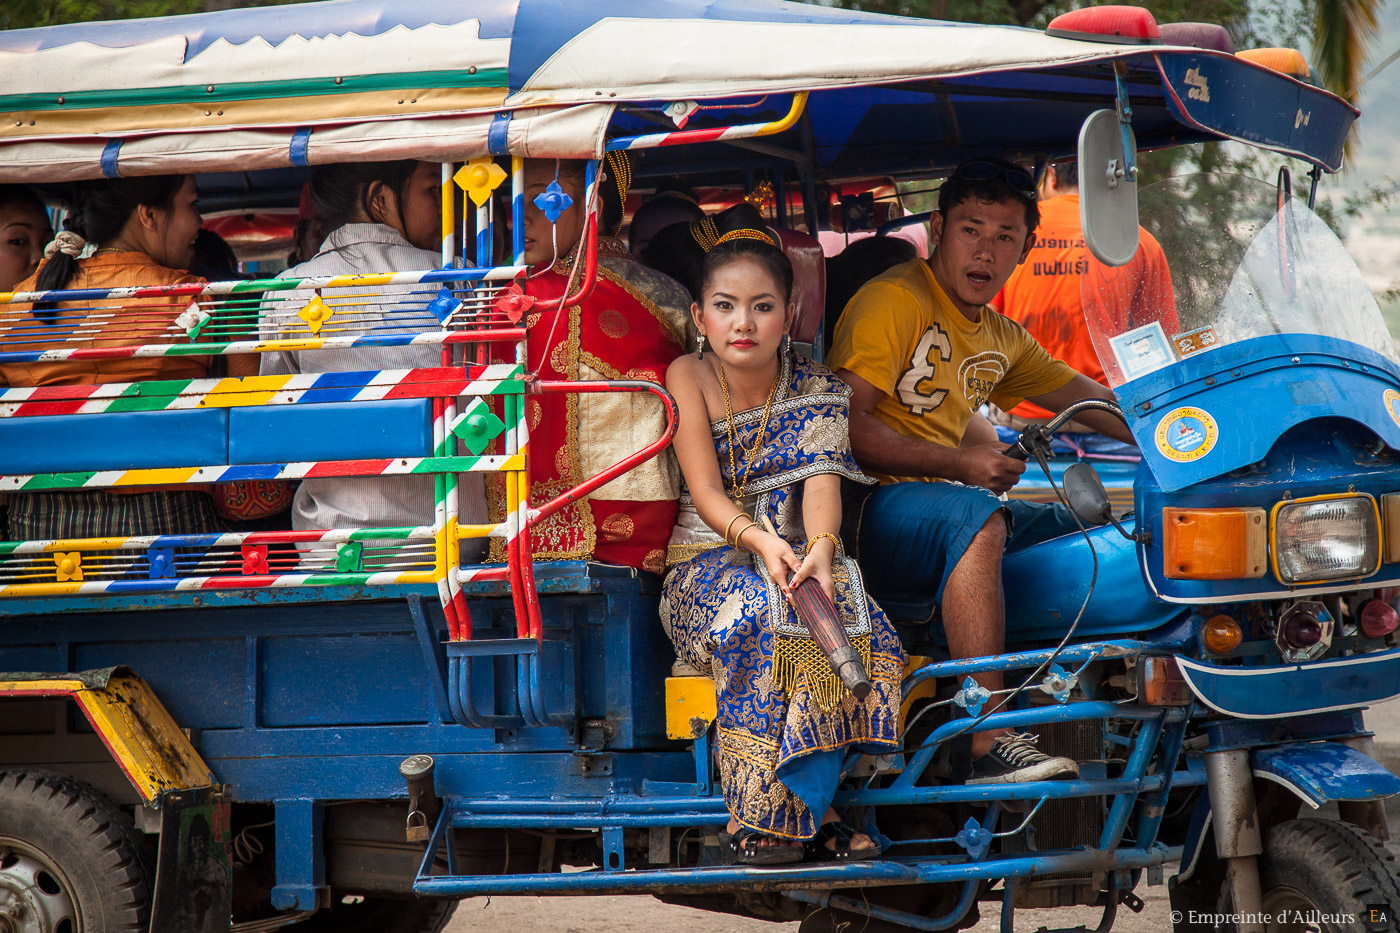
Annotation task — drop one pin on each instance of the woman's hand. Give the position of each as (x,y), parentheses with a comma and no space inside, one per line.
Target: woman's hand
(777,554)
(818,564)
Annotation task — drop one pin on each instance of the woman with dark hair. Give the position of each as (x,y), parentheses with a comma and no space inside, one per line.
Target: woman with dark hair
(382,217)
(24,231)
(763,442)
(631,326)
(119,232)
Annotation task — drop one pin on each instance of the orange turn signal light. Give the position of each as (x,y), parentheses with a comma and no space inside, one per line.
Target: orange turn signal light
(1222,634)
(1214,544)
(1160,683)
(1285,61)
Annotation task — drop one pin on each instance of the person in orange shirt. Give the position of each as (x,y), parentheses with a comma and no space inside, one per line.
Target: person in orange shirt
(143,230)
(1044,296)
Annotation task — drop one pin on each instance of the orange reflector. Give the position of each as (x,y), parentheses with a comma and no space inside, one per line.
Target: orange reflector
(1285,61)
(1222,634)
(1390,526)
(1214,544)
(1160,683)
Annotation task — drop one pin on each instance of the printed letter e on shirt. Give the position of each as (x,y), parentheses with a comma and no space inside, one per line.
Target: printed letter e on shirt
(921,369)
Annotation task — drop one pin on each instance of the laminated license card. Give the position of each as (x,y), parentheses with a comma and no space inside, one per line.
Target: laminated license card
(1142,350)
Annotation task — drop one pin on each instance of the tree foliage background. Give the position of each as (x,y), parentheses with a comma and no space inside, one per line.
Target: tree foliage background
(23,14)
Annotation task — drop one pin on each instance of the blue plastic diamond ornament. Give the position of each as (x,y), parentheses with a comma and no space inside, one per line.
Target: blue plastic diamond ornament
(972,696)
(444,305)
(478,178)
(162,563)
(554,201)
(973,838)
(1059,682)
(477,426)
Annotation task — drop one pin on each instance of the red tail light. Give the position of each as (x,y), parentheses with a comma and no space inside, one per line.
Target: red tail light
(1377,618)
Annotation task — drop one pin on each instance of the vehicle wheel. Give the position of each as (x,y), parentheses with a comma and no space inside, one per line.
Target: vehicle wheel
(70,861)
(354,914)
(1315,874)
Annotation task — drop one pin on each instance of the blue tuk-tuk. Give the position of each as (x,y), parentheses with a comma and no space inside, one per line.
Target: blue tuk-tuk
(350,729)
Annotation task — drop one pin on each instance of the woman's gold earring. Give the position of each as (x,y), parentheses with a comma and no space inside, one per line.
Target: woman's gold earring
(700,351)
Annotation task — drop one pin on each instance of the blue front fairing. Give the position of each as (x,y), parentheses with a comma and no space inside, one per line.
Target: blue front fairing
(1289,416)
(1255,391)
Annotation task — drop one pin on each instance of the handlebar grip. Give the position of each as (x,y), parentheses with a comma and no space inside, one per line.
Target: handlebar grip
(1017,452)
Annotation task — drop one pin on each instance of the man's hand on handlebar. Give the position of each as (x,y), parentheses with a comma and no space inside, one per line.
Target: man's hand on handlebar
(987,465)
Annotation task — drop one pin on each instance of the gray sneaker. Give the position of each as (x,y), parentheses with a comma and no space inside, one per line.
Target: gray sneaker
(1014,759)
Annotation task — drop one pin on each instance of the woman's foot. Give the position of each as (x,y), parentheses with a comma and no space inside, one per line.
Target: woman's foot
(750,847)
(836,841)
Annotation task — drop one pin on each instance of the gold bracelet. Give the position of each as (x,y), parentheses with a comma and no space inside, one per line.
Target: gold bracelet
(740,536)
(730,526)
(835,541)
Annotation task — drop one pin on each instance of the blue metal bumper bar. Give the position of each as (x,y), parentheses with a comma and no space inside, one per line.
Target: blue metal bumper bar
(1069,712)
(1021,659)
(872,874)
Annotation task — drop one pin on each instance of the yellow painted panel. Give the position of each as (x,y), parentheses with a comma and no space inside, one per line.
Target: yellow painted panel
(924,691)
(690,706)
(145,740)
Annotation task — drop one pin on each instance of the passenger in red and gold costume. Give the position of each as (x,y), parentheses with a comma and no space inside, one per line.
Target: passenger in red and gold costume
(631,326)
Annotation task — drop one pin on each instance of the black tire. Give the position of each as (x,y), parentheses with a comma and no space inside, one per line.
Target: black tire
(70,854)
(378,915)
(1329,870)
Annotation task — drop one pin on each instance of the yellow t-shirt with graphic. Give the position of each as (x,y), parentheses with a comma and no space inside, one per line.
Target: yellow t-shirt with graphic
(901,334)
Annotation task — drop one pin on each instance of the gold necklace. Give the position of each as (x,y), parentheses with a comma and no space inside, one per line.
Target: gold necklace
(752,453)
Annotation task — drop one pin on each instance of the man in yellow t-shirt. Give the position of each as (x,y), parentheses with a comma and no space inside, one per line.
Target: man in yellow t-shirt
(921,352)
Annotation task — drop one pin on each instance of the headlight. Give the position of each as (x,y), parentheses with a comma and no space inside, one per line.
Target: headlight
(1325,538)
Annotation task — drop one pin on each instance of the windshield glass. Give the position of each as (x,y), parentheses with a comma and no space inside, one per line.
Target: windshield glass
(1220,261)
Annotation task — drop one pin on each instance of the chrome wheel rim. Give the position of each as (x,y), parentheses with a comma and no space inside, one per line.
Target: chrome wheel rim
(1283,905)
(35,896)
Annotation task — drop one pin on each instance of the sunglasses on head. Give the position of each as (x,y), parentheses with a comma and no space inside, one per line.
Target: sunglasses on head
(982,170)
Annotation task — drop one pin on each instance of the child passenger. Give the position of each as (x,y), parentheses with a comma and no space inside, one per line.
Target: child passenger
(763,444)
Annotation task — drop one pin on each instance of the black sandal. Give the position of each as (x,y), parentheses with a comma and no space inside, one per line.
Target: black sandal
(745,846)
(841,834)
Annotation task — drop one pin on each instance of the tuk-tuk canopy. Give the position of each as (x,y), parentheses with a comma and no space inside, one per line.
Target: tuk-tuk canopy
(452,79)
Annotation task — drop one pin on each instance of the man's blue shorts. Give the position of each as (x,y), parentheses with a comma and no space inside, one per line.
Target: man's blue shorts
(910,536)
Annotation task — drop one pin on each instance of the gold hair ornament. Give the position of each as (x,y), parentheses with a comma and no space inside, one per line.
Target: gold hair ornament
(744,234)
(705,233)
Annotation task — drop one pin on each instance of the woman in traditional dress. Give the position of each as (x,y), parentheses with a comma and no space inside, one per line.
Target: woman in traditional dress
(763,444)
(630,326)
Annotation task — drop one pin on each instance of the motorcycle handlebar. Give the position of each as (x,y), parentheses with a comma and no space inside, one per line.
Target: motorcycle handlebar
(1038,434)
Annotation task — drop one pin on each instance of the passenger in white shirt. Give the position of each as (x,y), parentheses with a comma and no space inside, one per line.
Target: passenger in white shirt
(382,217)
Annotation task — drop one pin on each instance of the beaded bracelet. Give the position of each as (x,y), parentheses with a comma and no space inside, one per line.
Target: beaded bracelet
(835,541)
(730,527)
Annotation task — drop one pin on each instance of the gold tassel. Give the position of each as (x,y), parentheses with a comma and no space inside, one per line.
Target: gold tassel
(797,658)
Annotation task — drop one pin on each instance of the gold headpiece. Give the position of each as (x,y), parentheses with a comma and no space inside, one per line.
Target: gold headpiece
(761,194)
(618,165)
(705,233)
(745,234)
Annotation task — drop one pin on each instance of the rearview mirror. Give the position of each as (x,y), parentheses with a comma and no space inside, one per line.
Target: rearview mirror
(1108,208)
(1086,495)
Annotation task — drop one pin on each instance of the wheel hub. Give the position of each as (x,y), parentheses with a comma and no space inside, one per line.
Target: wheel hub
(33,895)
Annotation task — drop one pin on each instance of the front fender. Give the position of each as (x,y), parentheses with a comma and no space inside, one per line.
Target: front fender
(1316,773)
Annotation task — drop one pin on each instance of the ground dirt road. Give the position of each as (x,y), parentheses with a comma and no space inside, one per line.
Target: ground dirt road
(647,915)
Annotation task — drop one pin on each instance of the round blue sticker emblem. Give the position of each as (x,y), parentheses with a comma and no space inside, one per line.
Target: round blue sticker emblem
(1186,434)
(1392,404)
